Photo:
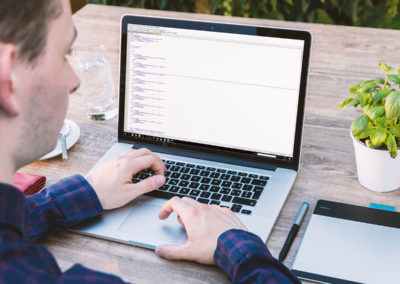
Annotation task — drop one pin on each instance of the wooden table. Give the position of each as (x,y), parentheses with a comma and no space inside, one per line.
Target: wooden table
(341,56)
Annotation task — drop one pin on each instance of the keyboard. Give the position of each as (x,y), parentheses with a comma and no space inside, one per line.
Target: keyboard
(236,190)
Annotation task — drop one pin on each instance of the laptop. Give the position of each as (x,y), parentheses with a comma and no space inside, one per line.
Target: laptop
(223,106)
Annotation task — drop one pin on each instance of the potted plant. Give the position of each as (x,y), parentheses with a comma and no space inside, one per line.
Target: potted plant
(376,133)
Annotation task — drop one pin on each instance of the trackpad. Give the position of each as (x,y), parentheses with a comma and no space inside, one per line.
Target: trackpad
(145,229)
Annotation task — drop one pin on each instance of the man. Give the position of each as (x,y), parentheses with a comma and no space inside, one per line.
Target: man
(35,80)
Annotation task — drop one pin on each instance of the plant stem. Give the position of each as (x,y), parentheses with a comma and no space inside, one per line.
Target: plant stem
(386,79)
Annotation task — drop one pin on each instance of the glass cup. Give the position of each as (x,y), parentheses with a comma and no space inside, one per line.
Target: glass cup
(94,71)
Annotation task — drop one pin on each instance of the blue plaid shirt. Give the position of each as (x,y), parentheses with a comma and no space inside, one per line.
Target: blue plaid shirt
(26,221)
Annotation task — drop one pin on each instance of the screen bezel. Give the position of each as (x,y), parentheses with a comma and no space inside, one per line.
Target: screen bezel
(227,28)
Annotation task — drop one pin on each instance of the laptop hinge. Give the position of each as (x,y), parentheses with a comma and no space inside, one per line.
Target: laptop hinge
(205,156)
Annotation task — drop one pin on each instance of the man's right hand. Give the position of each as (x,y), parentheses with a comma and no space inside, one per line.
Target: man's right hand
(203,225)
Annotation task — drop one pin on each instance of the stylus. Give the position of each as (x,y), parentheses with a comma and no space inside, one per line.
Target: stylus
(293,231)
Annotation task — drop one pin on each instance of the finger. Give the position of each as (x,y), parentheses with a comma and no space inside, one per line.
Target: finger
(177,205)
(147,185)
(134,153)
(173,251)
(180,222)
(145,162)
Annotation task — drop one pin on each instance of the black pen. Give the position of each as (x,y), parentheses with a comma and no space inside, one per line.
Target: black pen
(293,231)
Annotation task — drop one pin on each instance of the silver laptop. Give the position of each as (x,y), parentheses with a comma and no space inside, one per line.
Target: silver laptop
(223,106)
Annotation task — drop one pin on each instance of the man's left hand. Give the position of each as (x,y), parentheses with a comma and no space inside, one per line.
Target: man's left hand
(112,181)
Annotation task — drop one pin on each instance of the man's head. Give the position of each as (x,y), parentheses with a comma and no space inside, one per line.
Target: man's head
(35,76)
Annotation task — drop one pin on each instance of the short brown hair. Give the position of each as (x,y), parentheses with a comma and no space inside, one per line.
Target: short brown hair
(25,23)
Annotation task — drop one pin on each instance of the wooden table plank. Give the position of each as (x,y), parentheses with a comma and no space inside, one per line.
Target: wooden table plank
(341,56)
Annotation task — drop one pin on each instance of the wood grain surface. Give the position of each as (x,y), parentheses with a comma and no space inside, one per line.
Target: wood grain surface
(341,56)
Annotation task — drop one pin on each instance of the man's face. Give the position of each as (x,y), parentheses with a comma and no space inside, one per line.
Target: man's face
(47,85)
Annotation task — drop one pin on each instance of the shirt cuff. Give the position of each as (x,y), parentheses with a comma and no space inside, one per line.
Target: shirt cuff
(235,246)
(76,199)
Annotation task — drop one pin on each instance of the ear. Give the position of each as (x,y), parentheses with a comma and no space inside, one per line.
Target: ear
(8,101)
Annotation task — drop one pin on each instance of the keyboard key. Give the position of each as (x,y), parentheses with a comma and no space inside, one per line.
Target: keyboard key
(204,187)
(200,167)
(225,177)
(226,198)
(194,185)
(195,178)
(235,192)
(221,171)
(173,181)
(226,183)
(205,194)
(169,162)
(235,178)
(194,192)
(163,194)
(216,182)
(259,182)
(184,190)
(203,200)
(224,206)
(147,171)
(214,188)
(143,176)
(164,187)
(247,212)
(174,188)
(242,174)
(236,208)
(185,170)
(244,201)
(167,174)
(204,173)
(210,169)
(215,202)
(247,194)
(256,195)
(225,190)
(237,185)
(135,180)
(216,196)
(175,169)
(195,172)
(190,165)
(214,175)
(232,172)
(183,183)
(168,166)
(180,164)
(248,187)
(185,176)
(245,180)
(253,175)
(264,177)
(175,175)
(258,189)
(205,180)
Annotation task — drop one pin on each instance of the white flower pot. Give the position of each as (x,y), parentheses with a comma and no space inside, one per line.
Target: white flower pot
(376,170)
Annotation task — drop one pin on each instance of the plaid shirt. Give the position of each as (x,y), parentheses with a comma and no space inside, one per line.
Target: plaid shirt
(26,221)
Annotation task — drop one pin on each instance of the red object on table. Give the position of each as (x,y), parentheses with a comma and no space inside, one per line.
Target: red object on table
(29,183)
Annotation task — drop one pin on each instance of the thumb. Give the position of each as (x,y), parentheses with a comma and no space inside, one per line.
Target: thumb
(172,251)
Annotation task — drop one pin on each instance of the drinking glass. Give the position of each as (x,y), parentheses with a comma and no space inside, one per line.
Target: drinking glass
(94,71)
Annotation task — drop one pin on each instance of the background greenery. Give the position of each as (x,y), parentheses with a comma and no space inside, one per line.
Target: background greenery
(369,13)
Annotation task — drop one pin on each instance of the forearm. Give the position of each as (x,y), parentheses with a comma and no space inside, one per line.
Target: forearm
(60,206)
(245,259)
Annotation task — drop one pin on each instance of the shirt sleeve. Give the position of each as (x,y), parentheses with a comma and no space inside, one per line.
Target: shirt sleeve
(245,259)
(22,262)
(59,206)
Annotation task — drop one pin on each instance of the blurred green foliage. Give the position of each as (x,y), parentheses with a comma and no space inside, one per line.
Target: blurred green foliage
(369,13)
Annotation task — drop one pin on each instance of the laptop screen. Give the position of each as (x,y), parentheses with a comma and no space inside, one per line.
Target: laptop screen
(222,89)
(213,87)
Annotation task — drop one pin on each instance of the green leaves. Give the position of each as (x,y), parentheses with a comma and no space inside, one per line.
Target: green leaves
(359,124)
(378,137)
(392,105)
(375,112)
(379,125)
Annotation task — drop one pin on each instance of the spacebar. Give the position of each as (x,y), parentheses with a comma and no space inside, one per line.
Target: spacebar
(162,194)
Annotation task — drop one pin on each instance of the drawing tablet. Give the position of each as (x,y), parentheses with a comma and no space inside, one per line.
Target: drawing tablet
(349,244)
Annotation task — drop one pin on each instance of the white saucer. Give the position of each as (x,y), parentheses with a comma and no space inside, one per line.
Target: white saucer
(72,137)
